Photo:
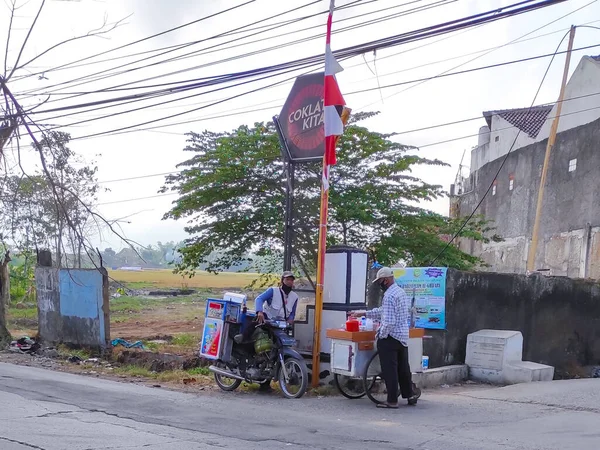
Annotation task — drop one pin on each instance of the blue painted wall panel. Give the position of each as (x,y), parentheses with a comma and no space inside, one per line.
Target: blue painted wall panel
(81,294)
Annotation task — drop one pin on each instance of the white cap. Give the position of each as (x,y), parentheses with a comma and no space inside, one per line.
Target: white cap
(384,272)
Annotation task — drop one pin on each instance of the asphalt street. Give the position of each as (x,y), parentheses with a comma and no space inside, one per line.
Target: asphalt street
(49,410)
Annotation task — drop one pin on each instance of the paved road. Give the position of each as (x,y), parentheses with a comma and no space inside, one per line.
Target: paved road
(54,411)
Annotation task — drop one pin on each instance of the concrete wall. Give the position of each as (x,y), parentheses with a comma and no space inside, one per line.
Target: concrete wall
(558,317)
(73,306)
(569,241)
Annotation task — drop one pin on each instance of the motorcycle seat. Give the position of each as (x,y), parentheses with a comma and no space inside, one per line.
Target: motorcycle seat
(239,339)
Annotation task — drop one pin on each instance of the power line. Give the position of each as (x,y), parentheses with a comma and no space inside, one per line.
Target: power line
(488,52)
(424,33)
(393,134)
(462,72)
(462,227)
(419,147)
(138,199)
(73,64)
(169,51)
(456,122)
(255,90)
(284,44)
(516,41)
(228,59)
(152,175)
(141,40)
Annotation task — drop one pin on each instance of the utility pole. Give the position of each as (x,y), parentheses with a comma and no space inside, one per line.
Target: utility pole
(549,146)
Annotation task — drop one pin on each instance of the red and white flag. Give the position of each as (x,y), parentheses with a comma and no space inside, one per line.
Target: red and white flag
(332,97)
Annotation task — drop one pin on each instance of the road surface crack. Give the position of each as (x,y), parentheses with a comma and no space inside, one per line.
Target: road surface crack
(14,441)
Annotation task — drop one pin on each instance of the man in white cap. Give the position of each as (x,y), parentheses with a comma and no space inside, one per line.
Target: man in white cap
(278,303)
(392,339)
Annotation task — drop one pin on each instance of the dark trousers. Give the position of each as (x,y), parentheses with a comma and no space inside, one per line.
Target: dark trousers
(249,326)
(395,369)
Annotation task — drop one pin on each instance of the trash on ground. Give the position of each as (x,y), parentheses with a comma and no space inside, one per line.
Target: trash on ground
(24,345)
(126,344)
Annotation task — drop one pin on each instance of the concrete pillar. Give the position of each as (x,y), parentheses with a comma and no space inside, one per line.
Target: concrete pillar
(44,258)
(374,294)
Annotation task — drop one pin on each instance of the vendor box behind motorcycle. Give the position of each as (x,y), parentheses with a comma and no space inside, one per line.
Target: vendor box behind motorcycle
(220,316)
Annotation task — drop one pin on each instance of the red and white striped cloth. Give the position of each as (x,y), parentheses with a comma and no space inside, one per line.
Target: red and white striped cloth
(332,97)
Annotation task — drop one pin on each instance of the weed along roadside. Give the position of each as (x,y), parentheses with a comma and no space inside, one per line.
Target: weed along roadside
(165,317)
(154,308)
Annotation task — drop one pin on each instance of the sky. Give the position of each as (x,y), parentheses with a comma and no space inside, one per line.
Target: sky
(150,154)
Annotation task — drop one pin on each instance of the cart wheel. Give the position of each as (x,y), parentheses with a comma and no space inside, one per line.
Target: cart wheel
(373,383)
(349,387)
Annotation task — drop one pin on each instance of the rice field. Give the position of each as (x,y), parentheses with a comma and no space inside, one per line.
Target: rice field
(165,278)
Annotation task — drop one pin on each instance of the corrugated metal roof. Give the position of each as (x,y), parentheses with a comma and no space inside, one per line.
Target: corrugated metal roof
(528,120)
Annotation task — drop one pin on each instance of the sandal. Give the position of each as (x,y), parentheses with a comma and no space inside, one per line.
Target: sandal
(387,406)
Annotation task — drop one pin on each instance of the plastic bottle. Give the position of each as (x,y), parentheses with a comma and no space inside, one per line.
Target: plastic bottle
(368,324)
(363,324)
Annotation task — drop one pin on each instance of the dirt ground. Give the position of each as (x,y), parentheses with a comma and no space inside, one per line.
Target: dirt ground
(159,321)
(170,320)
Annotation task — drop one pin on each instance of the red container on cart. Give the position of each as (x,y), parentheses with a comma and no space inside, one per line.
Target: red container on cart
(352,325)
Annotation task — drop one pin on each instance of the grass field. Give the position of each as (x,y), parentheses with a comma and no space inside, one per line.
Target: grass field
(138,316)
(167,279)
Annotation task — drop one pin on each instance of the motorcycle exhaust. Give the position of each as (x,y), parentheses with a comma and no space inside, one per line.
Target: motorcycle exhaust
(225,373)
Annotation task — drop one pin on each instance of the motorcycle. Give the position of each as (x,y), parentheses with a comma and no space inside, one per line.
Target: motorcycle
(267,355)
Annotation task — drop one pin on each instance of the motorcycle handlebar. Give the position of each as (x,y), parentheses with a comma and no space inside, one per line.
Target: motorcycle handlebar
(275,324)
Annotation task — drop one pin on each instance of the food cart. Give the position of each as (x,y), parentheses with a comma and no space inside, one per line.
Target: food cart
(355,363)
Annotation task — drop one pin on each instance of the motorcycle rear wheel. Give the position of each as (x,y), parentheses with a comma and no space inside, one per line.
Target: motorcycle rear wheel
(227,384)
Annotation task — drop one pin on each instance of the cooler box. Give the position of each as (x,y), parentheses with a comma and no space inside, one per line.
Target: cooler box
(212,334)
(220,314)
(351,351)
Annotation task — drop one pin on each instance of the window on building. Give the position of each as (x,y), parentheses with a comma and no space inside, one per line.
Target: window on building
(497,138)
(511,183)
(573,165)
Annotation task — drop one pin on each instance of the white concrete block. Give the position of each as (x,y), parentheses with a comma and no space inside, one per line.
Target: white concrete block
(539,372)
(492,349)
(494,356)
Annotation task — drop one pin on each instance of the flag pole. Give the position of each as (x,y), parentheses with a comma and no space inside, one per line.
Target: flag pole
(333,127)
(316,357)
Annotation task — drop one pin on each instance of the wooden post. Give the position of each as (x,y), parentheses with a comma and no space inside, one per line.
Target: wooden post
(551,140)
(322,248)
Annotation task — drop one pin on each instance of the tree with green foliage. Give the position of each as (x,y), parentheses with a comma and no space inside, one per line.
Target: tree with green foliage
(232,195)
(37,216)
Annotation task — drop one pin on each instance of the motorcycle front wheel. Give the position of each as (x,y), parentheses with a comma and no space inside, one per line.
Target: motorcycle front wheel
(297,382)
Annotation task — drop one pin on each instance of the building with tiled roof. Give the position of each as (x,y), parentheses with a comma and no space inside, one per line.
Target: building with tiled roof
(528,120)
(505,177)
